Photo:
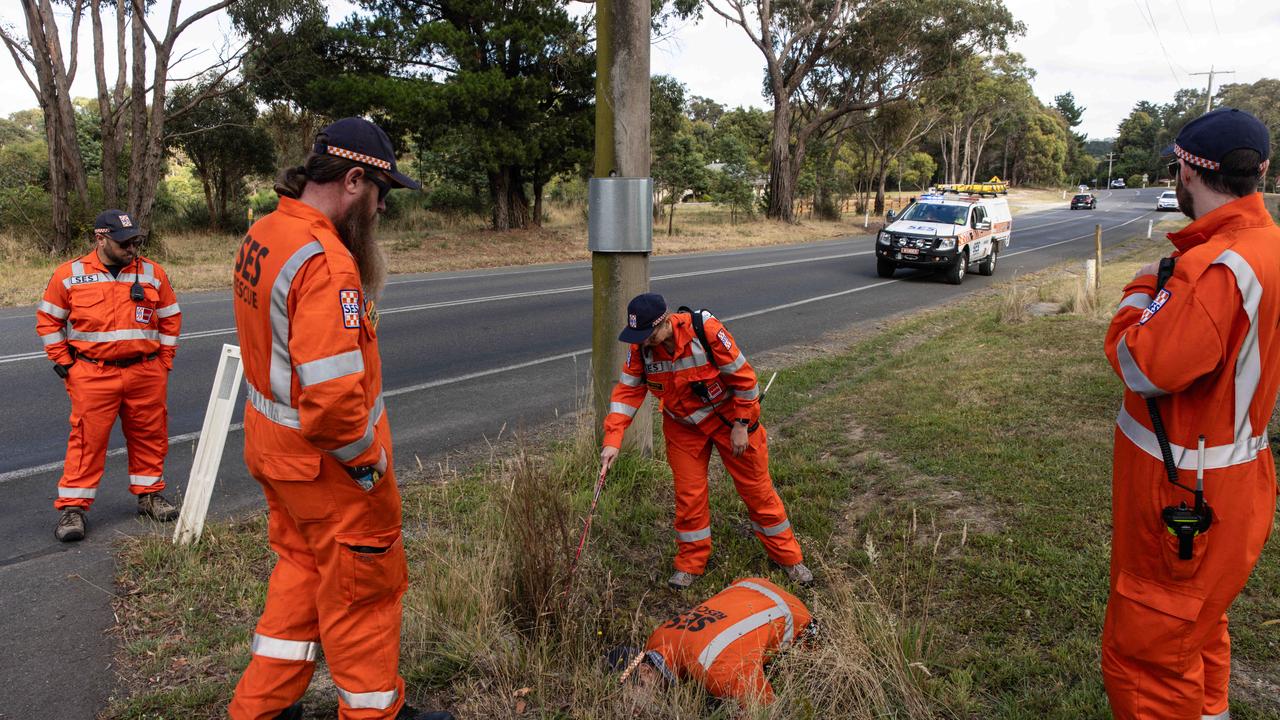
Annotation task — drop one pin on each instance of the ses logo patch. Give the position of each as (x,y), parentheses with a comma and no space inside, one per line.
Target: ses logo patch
(350,302)
(724,340)
(1162,297)
(142,314)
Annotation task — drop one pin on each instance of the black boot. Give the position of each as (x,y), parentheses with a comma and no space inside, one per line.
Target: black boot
(409,713)
(293,712)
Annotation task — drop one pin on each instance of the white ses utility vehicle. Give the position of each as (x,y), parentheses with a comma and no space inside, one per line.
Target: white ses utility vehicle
(947,233)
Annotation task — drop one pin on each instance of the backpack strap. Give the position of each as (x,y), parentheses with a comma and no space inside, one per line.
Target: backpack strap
(698,329)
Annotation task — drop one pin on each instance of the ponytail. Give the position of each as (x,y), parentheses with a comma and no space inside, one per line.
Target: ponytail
(291,181)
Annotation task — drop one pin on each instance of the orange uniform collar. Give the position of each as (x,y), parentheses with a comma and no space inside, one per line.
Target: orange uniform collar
(302,211)
(1248,211)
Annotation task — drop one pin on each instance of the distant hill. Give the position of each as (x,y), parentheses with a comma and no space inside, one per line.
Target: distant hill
(1099,148)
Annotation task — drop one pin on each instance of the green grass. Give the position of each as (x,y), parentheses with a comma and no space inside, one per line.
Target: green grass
(949,480)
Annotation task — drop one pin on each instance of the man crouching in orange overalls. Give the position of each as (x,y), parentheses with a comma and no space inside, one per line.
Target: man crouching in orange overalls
(1195,341)
(724,642)
(709,398)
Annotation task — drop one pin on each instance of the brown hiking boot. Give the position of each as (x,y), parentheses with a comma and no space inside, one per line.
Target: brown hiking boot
(154,506)
(70,526)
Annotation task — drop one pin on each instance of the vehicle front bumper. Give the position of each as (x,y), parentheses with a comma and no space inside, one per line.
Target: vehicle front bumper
(925,259)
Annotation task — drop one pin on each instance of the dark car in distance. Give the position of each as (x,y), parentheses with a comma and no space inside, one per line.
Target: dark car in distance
(1084,200)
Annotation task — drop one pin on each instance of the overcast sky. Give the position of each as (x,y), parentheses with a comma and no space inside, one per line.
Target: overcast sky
(1110,53)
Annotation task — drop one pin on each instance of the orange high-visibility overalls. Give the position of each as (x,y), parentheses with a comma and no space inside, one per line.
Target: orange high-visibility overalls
(692,426)
(310,349)
(725,642)
(1206,348)
(123,351)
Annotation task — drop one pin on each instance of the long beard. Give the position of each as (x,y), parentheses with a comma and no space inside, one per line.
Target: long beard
(1186,203)
(357,233)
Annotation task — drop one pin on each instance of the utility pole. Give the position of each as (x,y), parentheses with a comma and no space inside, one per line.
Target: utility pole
(620,222)
(1208,99)
(1111,156)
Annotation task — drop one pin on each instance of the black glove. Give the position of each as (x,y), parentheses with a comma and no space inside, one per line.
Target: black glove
(63,370)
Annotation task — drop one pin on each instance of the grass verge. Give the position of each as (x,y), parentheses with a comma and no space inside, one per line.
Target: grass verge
(949,478)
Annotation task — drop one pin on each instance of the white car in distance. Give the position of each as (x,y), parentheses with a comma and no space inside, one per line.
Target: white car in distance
(1168,200)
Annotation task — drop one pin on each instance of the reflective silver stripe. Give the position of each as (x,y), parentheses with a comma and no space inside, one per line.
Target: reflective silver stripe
(53,337)
(79,493)
(630,380)
(143,278)
(1137,300)
(168,311)
(277,413)
(144,480)
(330,368)
(169,340)
(734,366)
(735,631)
(117,335)
(49,308)
(751,394)
(368,700)
(1132,374)
(351,451)
(1224,715)
(696,358)
(281,367)
(77,268)
(790,630)
(1218,456)
(148,269)
(297,650)
(695,417)
(659,367)
(774,530)
(695,535)
(622,409)
(1249,360)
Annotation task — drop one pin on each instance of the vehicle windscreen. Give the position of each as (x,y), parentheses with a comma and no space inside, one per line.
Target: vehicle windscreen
(927,212)
(1080,197)
(1168,194)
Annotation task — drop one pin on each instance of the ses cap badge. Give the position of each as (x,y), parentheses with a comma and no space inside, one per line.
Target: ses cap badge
(125,221)
(350,302)
(1162,297)
(631,321)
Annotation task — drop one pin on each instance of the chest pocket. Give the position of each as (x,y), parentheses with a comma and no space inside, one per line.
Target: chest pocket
(88,313)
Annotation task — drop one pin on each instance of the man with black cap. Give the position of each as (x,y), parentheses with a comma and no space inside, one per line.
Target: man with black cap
(1195,341)
(710,398)
(109,321)
(316,434)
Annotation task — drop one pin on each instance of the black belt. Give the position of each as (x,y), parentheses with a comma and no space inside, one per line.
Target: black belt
(126,362)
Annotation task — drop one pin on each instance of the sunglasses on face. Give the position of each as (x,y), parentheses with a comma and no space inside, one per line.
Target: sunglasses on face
(1174,167)
(126,244)
(383,186)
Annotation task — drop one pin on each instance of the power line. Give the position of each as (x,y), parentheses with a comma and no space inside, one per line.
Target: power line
(1214,14)
(1152,24)
(1184,17)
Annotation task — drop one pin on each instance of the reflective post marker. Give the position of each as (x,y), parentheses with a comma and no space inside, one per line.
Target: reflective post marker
(213,438)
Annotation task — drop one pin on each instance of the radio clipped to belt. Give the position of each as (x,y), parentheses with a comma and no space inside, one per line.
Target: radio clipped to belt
(1183,522)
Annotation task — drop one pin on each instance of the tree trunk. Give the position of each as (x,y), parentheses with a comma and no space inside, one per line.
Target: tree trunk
(537,203)
(781,180)
(138,98)
(500,196)
(671,216)
(208,201)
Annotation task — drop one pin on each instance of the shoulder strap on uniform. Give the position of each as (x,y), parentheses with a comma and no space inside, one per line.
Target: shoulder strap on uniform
(696,316)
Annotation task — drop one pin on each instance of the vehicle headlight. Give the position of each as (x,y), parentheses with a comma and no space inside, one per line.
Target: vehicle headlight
(947,243)
(883,239)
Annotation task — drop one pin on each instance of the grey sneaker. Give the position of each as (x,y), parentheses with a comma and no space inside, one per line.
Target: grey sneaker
(154,506)
(70,526)
(681,580)
(799,574)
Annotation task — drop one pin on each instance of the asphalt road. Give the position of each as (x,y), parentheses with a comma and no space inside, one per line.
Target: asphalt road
(464,355)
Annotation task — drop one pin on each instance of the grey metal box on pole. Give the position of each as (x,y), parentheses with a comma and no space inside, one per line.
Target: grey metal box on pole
(620,214)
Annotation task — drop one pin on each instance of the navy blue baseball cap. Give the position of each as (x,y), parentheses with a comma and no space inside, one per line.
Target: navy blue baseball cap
(359,140)
(1205,141)
(117,224)
(644,313)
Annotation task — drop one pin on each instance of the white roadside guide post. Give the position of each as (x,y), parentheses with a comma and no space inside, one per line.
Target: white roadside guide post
(1150,224)
(213,438)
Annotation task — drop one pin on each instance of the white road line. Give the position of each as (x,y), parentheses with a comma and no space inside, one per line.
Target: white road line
(28,472)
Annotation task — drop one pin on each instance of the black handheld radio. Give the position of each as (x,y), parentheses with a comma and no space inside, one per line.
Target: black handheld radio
(1184,522)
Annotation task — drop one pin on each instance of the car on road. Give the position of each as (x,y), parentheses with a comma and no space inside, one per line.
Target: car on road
(1084,200)
(1168,200)
(1117,183)
(947,233)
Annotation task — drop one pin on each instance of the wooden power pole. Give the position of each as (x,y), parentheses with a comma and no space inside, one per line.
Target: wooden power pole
(620,233)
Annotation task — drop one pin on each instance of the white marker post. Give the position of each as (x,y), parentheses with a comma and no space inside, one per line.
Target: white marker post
(1150,225)
(213,438)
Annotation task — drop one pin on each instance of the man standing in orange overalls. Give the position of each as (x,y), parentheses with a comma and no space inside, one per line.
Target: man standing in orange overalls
(109,321)
(1204,348)
(724,642)
(710,398)
(317,437)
